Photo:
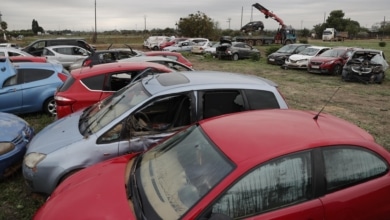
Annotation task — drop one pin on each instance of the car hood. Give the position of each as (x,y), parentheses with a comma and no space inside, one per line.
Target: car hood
(10,126)
(98,192)
(56,135)
(299,57)
(323,59)
(279,54)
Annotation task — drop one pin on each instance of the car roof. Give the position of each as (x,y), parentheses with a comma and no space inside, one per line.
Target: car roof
(115,67)
(204,79)
(162,53)
(147,58)
(318,47)
(270,133)
(37,65)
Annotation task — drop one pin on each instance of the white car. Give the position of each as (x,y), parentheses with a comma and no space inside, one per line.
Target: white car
(65,54)
(212,50)
(11,51)
(185,45)
(9,45)
(200,47)
(301,59)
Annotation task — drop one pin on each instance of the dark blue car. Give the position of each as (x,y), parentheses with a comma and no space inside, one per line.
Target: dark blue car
(29,87)
(15,134)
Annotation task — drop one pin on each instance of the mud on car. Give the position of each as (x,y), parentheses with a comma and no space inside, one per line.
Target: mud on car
(365,65)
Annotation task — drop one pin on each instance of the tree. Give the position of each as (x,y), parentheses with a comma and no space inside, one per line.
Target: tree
(4,25)
(336,20)
(196,25)
(36,28)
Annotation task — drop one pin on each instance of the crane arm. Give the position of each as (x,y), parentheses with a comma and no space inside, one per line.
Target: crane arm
(268,14)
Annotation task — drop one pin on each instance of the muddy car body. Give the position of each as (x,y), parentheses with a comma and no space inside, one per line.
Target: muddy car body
(365,65)
(236,50)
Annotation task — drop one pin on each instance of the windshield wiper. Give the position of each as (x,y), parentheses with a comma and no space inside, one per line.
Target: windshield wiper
(133,191)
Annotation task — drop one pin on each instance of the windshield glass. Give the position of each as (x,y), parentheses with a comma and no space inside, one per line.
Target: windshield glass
(309,51)
(332,53)
(287,49)
(102,113)
(175,174)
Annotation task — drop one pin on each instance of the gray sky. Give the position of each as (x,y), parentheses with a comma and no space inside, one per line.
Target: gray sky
(135,15)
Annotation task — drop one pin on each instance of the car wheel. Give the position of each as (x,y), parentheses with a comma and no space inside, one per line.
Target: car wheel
(155,48)
(337,70)
(49,106)
(235,57)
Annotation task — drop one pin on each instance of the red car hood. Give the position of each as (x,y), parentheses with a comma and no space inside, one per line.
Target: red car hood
(95,193)
(322,59)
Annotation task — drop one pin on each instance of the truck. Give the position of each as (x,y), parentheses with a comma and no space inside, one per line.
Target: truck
(284,35)
(331,34)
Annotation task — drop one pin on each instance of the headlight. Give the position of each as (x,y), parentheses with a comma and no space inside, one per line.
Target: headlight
(329,62)
(6,147)
(32,159)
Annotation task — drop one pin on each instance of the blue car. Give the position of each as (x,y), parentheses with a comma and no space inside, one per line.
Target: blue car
(29,87)
(15,134)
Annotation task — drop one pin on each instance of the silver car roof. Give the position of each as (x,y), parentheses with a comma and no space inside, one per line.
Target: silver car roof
(195,80)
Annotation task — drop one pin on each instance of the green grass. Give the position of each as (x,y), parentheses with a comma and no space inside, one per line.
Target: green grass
(367,106)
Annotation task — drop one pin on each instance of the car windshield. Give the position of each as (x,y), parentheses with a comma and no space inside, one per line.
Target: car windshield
(100,114)
(177,173)
(287,49)
(309,51)
(332,53)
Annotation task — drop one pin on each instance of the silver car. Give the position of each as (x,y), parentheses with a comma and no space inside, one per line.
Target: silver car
(136,117)
(65,54)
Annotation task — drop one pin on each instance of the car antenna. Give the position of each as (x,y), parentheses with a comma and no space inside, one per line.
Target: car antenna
(318,114)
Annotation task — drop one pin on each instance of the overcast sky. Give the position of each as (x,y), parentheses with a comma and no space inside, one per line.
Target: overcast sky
(135,15)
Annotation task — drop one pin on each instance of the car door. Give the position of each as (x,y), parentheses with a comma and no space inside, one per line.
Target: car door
(11,94)
(215,102)
(357,183)
(280,188)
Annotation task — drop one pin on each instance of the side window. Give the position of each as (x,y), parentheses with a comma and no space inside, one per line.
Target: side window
(345,166)
(221,102)
(11,81)
(163,114)
(276,184)
(117,81)
(94,83)
(259,99)
(31,75)
(65,50)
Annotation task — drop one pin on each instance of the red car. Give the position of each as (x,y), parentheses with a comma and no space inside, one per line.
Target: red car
(262,164)
(330,61)
(88,85)
(171,55)
(172,42)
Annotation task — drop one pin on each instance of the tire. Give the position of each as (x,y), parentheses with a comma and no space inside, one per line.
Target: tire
(337,70)
(259,42)
(155,48)
(49,106)
(235,57)
(250,42)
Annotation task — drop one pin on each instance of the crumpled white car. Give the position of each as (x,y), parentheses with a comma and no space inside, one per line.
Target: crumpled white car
(301,60)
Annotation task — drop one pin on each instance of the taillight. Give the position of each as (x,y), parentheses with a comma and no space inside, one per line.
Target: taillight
(63,100)
(62,77)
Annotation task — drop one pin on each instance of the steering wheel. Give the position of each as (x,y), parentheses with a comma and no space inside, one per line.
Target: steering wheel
(140,121)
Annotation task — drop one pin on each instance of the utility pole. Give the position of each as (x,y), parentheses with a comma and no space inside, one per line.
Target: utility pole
(94,38)
(228,21)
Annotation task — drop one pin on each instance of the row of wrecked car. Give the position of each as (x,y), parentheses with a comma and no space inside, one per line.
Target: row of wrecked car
(351,63)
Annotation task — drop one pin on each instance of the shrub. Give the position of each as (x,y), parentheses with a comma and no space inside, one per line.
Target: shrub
(382,44)
(255,57)
(271,50)
(303,41)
